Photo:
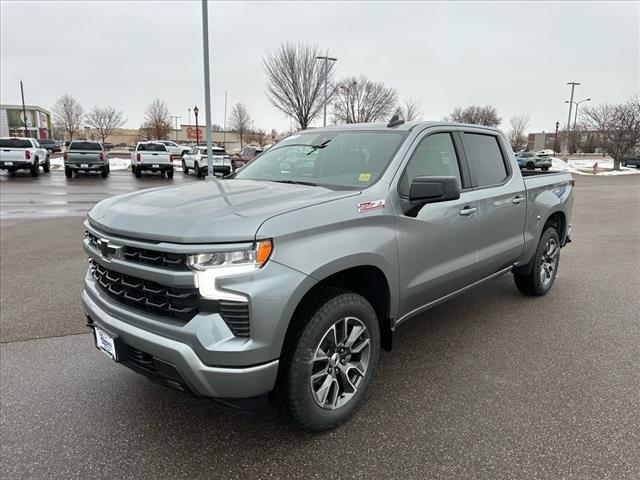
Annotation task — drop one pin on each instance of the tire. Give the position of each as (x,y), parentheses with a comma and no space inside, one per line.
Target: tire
(35,168)
(304,399)
(170,173)
(531,166)
(545,265)
(138,172)
(46,168)
(185,169)
(104,172)
(544,169)
(68,172)
(623,163)
(196,168)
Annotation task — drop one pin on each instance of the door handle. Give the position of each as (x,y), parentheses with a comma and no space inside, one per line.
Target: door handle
(518,200)
(466,211)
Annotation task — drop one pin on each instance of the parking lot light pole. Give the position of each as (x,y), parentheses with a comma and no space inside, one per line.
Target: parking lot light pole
(207,90)
(555,139)
(195,112)
(577,104)
(326,81)
(224,123)
(24,110)
(566,140)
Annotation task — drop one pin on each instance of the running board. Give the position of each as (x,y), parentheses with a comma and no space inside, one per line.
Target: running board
(432,304)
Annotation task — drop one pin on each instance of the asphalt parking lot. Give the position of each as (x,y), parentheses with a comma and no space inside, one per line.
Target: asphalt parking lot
(490,385)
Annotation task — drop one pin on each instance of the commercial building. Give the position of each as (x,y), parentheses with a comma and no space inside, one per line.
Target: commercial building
(12,121)
(581,141)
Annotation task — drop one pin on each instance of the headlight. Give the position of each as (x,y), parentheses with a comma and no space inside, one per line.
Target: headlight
(208,267)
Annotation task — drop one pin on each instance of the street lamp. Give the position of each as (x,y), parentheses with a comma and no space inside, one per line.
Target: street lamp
(555,139)
(566,141)
(195,112)
(577,104)
(326,80)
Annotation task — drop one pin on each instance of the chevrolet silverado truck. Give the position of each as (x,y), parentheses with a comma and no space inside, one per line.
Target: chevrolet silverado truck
(86,156)
(151,157)
(289,277)
(17,153)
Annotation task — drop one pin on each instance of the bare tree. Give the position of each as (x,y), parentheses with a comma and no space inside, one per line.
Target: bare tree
(618,126)
(157,121)
(518,133)
(476,114)
(105,120)
(239,120)
(256,136)
(358,100)
(68,115)
(295,81)
(411,110)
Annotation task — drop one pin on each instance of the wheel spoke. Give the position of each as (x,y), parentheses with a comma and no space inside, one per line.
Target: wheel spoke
(347,384)
(323,392)
(335,390)
(318,375)
(356,331)
(320,355)
(360,346)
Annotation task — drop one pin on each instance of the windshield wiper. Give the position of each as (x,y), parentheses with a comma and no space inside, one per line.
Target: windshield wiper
(296,182)
(318,147)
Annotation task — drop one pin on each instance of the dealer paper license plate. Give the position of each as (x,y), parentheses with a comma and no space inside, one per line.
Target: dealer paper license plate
(105,342)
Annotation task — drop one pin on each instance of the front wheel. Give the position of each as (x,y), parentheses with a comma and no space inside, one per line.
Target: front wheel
(35,168)
(545,265)
(531,166)
(170,173)
(196,167)
(46,168)
(185,169)
(331,360)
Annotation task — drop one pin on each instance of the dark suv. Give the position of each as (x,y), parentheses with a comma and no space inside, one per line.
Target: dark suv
(631,159)
(51,145)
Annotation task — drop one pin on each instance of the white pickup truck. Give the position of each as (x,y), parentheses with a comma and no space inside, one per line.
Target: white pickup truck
(175,149)
(151,157)
(18,153)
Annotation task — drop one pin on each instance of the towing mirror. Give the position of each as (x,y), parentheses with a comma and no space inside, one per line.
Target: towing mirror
(434,189)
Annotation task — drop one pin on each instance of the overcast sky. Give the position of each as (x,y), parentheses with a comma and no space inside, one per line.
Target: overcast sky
(515,56)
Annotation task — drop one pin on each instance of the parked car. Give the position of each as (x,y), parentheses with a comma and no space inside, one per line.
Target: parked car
(151,157)
(86,156)
(631,159)
(291,281)
(196,160)
(18,153)
(174,149)
(531,161)
(245,155)
(108,146)
(51,145)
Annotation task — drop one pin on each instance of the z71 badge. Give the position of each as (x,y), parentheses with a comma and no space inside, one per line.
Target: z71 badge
(368,206)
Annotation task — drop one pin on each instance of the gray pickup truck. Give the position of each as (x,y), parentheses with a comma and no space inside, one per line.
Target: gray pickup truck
(291,276)
(86,156)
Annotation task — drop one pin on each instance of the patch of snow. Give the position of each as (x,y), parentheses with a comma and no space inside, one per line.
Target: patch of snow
(574,166)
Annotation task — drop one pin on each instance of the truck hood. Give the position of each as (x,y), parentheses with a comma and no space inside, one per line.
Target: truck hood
(207,212)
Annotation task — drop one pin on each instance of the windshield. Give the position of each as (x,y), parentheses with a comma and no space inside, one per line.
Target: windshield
(351,159)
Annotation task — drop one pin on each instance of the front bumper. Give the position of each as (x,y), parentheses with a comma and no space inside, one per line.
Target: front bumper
(179,362)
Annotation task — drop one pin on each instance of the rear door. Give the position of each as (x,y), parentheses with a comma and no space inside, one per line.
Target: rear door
(437,246)
(501,200)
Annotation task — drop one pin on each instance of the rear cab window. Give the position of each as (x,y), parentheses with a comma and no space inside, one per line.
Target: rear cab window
(85,146)
(15,143)
(151,147)
(485,157)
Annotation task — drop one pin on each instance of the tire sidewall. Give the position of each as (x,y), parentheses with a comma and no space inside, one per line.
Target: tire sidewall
(538,286)
(300,365)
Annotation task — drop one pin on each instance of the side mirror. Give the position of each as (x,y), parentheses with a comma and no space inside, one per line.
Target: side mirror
(425,190)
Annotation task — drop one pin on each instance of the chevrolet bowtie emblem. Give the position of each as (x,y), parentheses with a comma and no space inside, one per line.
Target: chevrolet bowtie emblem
(108,250)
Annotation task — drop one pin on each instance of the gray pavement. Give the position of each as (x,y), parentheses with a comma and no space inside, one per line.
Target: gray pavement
(490,385)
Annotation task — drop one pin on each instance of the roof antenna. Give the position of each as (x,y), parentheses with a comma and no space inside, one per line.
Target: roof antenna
(395,121)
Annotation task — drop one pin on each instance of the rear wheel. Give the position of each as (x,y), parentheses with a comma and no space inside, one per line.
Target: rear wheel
(196,167)
(531,166)
(68,172)
(334,352)
(170,173)
(544,169)
(105,172)
(138,172)
(47,165)
(545,265)
(35,168)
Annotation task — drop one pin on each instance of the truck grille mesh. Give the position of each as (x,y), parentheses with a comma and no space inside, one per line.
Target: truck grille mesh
(179,303)
(174,261)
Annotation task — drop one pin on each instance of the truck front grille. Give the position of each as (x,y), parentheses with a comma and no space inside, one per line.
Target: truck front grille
(179,303)
(174,261)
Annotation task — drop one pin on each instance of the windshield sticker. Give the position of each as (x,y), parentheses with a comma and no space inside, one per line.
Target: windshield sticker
(364,177)
(368,206)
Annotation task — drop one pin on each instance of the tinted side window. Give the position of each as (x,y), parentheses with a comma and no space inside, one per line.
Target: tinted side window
(485,158)
(435,156)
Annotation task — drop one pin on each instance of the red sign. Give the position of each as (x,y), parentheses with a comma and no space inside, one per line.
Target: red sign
(194,133)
